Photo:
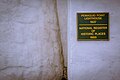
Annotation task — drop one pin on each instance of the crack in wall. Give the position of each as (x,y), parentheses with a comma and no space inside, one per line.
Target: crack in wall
(8,67)
(60,42)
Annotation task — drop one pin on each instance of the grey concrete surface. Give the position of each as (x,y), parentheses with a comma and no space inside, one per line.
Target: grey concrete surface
(30,40)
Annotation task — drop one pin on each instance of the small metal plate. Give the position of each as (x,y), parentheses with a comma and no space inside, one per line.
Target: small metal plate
(92,26)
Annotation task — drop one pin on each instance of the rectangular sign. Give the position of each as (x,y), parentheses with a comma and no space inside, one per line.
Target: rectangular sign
(92,26)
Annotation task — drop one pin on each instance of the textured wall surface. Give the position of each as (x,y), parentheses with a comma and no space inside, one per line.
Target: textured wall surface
(30,40)
(63,14)
(94,60)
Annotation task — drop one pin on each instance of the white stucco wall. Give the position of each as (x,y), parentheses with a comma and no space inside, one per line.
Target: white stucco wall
(30,40)
(94,60)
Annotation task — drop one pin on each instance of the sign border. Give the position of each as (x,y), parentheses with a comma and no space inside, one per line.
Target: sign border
(93,39)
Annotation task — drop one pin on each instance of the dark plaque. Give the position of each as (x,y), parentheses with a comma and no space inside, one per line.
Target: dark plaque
(92,26)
